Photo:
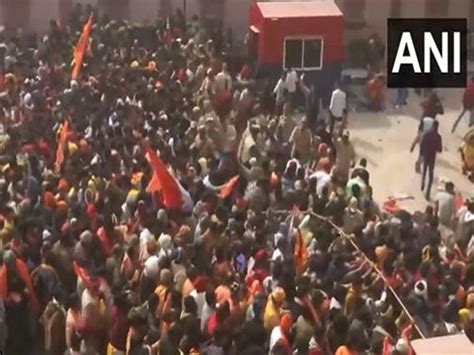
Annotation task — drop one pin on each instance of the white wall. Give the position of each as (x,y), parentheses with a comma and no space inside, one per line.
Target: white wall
(236,12)
(236,15)
(413,8)
(86,2)
(141,10)
(376,14)
(460,8)
(42,12)
(192,7)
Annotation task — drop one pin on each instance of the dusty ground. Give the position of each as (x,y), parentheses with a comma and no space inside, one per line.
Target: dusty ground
(385,138)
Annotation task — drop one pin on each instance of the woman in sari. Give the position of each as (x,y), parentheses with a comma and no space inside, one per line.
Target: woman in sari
(163,291)
(17,292)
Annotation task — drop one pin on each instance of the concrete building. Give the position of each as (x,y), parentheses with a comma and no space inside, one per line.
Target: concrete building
(362,16)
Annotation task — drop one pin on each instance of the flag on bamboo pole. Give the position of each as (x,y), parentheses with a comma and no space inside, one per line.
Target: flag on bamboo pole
(80,49)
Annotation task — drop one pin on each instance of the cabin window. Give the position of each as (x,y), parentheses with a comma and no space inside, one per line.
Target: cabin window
(303,53)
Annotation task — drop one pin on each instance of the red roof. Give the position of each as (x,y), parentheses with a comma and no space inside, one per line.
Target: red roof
(286,9)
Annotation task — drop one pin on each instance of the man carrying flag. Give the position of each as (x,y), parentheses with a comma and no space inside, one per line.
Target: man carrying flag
(300,253)
(174,195)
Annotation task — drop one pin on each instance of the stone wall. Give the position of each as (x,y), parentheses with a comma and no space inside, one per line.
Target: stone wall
(362,16)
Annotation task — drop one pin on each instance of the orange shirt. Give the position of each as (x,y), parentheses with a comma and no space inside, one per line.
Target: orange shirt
(375,90)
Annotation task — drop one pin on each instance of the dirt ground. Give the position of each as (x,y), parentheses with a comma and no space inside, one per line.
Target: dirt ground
(384,139)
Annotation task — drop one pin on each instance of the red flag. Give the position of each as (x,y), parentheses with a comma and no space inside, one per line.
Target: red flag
(61,145)
(104,241)
(81,48)
(83,275)
(170,189)
(458,202)
(386,346)
(301,253)
(154,185)
(228,187)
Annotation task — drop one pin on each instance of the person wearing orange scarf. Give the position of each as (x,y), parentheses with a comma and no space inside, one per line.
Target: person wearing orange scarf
(15,267)
(18,295)
(375,93)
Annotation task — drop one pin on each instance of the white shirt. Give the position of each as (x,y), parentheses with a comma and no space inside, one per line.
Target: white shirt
(291,81)
(334,304)
(279,90)
(189,74)
(338,102)
(427,123)
(145,237)
(445,207)
(275,336)
(230,136)
(245,98)
(470,247)
(323,179)
(151,267)
(269,284)
(277,255)
(200,298)
(205,315)
(222,82)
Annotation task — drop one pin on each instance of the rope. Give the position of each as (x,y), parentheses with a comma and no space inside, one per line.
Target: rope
(372,264)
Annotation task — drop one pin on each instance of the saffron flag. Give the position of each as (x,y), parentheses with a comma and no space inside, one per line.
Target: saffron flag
(228,187)
(82,274)
(61,145)
(154,185)
(300,253)
(81,48)
(386,346)
(104,241)
(174,195)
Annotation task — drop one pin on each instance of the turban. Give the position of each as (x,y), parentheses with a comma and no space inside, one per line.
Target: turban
(200,284)
(278,295)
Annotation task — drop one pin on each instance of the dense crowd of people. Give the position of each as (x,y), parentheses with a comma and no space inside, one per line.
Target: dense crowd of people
(166,203)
